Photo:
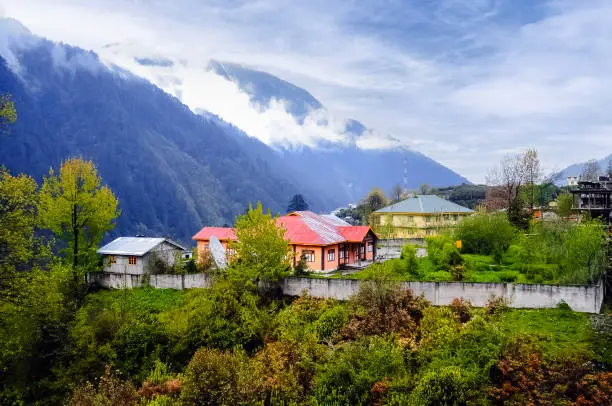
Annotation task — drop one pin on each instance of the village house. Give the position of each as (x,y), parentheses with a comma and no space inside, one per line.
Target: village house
(327,242)
(133,255)
(417,217)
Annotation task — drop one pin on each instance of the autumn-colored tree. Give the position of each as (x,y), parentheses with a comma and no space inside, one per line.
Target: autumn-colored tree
(262,250)
(78,209)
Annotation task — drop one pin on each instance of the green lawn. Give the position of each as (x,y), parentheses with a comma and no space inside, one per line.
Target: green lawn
(478,268)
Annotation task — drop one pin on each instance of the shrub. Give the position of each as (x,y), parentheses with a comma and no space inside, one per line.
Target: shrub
(447,386)
(331,322)
(357,368)
(410,259)
(508,276)
(485,234)
(111,390)
(382,307)
(497,305)
(462,309)
(215,377)
(443,253)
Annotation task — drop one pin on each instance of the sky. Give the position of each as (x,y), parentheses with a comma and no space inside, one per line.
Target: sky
(463,81)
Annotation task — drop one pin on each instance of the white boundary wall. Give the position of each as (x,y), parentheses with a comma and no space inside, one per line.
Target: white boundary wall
(586,299)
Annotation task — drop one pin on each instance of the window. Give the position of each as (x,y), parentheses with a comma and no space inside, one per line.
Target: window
(310,255)
(427,219)
(331,255)
(112,259)
(370,247)
(132,260)
(341,254)
(362,249)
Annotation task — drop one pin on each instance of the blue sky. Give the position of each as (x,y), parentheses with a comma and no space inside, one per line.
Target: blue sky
(463,81)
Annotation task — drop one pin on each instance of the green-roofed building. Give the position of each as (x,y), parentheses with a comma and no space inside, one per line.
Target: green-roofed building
(417,217)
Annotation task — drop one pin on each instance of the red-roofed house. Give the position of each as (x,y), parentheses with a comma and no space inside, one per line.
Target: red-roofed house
(328,242)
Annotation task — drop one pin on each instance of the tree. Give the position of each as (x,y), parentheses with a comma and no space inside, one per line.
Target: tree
(565,202)
(8,114)
(261,249)
(590,172)
(396,193)
(297,203)
(78,209)
(18,204)
(532,171)
(375,200)
(425,189)
(511,186)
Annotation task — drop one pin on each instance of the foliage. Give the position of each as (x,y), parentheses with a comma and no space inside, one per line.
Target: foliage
(448,386)
(110,391)
(8,114)
(443,253)
(381,307)
(462,309)
(355,369)
(297,203)
(485,234)
(216,377)
(301,266)
(410,259)
(262,250)
(565,203)
(78,209)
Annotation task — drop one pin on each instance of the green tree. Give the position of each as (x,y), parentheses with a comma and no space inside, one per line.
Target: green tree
(565,202)
(78,209)
(262,250)
(8,114)
(18,204)
(297,203)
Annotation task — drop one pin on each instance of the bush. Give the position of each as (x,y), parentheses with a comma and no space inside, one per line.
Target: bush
(215,377)
(410,259)
(443,253)
(485,234)
(447,386)
(462,309)
(508,276)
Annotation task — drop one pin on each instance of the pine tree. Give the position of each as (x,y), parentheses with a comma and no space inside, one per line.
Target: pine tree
(297,203)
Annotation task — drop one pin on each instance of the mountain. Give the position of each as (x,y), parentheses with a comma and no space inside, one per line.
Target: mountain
(576,170)
(172,170)
(347,168)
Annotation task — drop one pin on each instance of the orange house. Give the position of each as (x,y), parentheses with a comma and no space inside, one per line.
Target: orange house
(328,242)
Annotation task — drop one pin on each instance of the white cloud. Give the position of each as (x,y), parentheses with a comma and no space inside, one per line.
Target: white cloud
(461,81)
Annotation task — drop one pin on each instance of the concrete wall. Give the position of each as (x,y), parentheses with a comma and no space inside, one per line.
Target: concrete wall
(586,299)
(127,281)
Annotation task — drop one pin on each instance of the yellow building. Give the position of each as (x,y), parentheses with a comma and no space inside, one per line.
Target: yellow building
(417,217)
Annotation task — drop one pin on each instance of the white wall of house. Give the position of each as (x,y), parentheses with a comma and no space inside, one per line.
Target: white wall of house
(121,265)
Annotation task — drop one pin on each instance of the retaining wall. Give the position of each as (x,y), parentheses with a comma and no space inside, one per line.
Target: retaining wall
(587,299)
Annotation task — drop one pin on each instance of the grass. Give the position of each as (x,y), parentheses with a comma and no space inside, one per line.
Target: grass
(140,300)
(559,331)
(479,269)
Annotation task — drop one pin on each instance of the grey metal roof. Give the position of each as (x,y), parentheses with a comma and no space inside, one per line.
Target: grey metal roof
(335,220)
(136,246)
(424,204)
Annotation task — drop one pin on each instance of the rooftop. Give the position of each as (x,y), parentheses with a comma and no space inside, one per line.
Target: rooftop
(136,246)
(426,204)
(303,227)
